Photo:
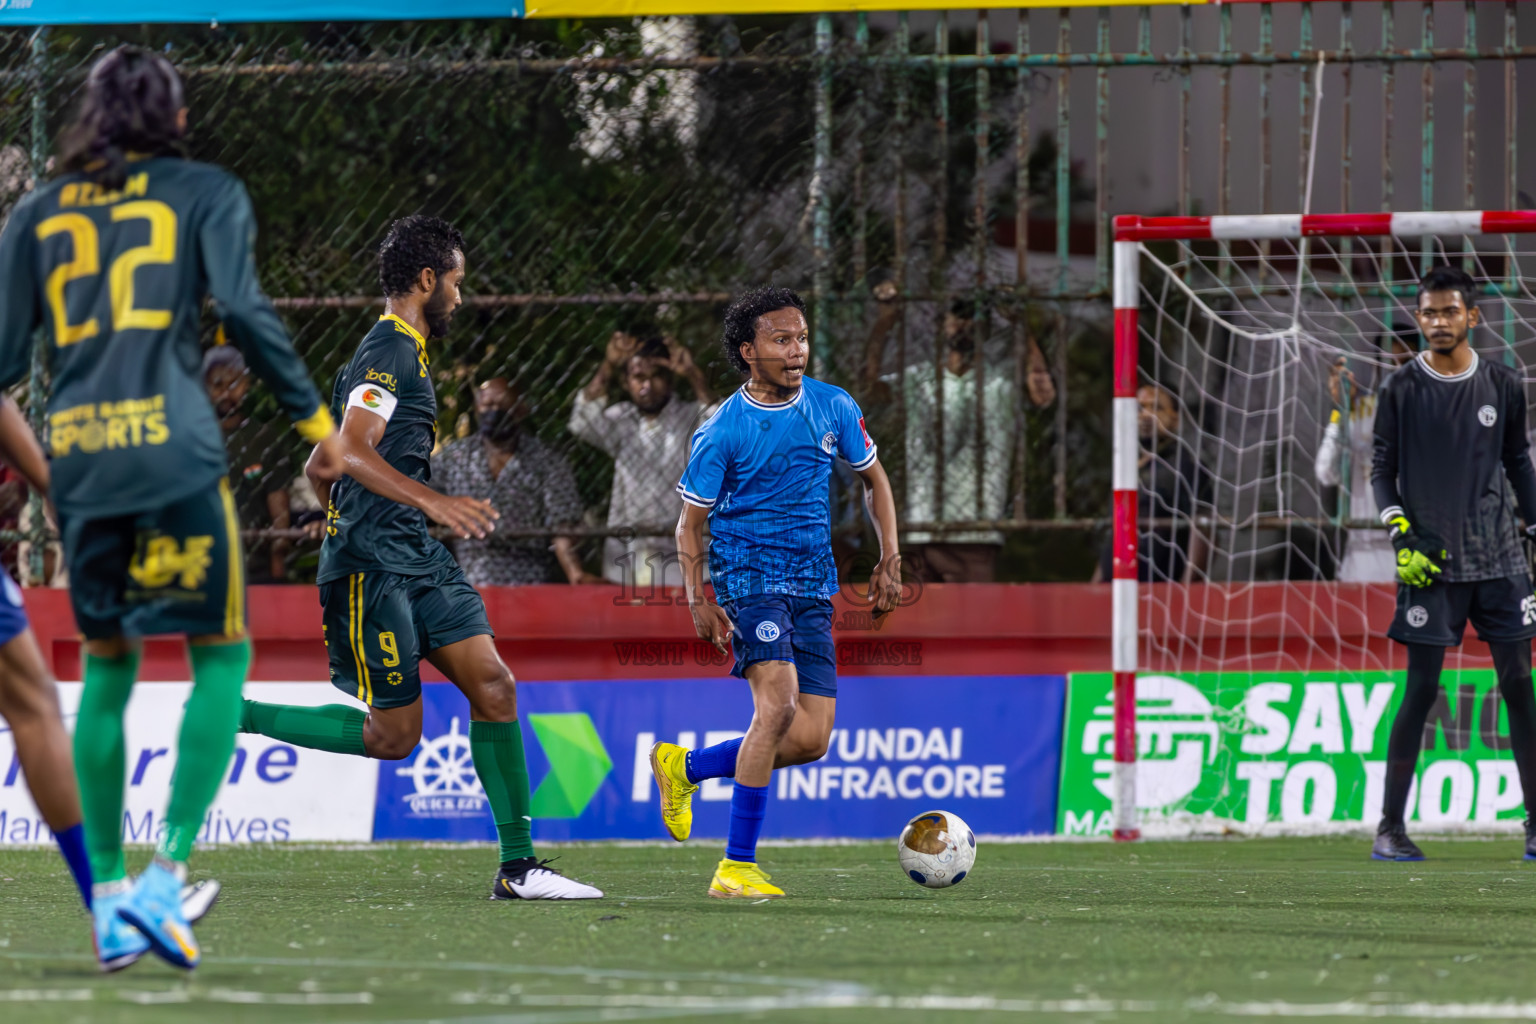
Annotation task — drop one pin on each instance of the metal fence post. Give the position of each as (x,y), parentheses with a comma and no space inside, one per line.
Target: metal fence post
(821,227)
(36,518)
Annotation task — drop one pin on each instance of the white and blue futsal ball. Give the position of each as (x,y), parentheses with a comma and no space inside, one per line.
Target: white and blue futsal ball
(936,849)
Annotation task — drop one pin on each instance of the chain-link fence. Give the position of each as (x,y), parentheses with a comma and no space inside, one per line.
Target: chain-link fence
(937,185)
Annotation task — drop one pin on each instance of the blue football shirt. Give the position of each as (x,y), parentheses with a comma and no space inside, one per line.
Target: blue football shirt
(762,471)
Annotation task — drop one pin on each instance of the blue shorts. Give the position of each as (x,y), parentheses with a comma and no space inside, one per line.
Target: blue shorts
(781,627)
(13,614)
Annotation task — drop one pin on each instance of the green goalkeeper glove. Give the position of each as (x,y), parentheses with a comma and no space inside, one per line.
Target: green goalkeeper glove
(1414,565)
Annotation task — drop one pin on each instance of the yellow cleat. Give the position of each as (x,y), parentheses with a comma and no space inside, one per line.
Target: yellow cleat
(669,764)
(737,878)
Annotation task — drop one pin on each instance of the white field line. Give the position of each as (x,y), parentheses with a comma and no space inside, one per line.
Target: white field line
(46,995)
(817,995)
(818,985)
(144,997)
(1197,830)
(1277,1009)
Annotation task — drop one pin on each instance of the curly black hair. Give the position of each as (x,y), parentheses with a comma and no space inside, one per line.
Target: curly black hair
(131,105)
(967,309)
(652,347)
(414,243)
(1446,278)
(742,316)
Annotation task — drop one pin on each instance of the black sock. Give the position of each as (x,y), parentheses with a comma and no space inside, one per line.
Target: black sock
(1423,686)
(1512,663)
(518,865)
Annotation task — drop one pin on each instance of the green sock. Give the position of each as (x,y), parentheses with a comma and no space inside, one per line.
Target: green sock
(101,760)
(497,750)
(334,727)
(206,742)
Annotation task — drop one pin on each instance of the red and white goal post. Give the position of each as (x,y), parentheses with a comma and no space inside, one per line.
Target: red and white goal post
(1274,280)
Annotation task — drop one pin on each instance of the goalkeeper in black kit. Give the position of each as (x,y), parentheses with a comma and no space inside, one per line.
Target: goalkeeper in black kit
(1450,429)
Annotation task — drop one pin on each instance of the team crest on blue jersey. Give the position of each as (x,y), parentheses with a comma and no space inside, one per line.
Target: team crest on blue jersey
(829,442)
(767,631)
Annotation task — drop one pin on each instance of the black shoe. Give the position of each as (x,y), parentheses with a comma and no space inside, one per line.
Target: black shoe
(1530,840)
(1392,843)
(531,879)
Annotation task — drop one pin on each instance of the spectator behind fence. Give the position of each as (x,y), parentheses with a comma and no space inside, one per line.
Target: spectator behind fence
(1173,485)
(260,465)
(530,485)
(968,556)
(1351,431)
(647,438)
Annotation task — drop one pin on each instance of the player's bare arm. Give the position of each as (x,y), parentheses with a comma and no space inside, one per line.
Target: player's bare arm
(361,432)
(19,447)
(709,620)
(880,506)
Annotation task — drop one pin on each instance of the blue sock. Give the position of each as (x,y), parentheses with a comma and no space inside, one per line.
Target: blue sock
(748,803)
(716,762)
(72,845)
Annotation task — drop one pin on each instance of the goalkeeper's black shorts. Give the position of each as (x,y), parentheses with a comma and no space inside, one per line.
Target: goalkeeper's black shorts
(1502,609)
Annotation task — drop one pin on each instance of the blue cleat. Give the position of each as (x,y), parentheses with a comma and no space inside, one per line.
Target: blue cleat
(118,945)
(154,908)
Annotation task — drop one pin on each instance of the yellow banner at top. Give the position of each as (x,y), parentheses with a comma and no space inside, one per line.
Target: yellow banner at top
(644,8)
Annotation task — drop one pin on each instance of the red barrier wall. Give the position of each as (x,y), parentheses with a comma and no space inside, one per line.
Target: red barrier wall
(589,632)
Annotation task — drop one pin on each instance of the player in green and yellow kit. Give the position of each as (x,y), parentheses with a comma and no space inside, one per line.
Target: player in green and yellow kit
(113,260)
(393,595)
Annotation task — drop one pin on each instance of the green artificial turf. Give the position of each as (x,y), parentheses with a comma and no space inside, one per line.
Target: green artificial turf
(1276,928)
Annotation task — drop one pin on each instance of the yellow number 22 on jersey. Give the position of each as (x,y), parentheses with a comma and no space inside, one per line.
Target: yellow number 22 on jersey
(86,262)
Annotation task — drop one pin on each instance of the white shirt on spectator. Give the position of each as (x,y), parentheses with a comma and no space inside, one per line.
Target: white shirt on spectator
(1368,555)
(649,454)
(997,415)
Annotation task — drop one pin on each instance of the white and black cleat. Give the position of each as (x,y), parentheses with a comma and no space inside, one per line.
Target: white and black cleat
(530,879)
(198,898)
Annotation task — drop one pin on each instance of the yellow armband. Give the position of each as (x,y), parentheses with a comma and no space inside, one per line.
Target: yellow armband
(317,426)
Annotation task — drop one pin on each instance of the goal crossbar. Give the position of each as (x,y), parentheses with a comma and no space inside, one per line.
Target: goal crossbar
(1258,227)
(1130,231)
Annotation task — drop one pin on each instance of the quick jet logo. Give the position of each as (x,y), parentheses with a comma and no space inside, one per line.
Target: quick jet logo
(444,776)
(447,786)
(1177,736)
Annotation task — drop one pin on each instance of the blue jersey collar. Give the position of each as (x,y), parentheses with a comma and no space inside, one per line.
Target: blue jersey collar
(776,405)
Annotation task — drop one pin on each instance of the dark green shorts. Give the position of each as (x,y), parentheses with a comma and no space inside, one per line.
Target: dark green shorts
(378,627)
(174,569)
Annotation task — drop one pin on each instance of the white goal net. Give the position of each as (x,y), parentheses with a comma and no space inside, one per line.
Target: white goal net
(1253,615)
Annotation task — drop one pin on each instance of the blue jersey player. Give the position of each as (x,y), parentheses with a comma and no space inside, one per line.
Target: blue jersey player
(757,473)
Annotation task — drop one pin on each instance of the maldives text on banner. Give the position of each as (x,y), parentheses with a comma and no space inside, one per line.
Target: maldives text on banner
(986,747)
(273,791)
(111,12)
